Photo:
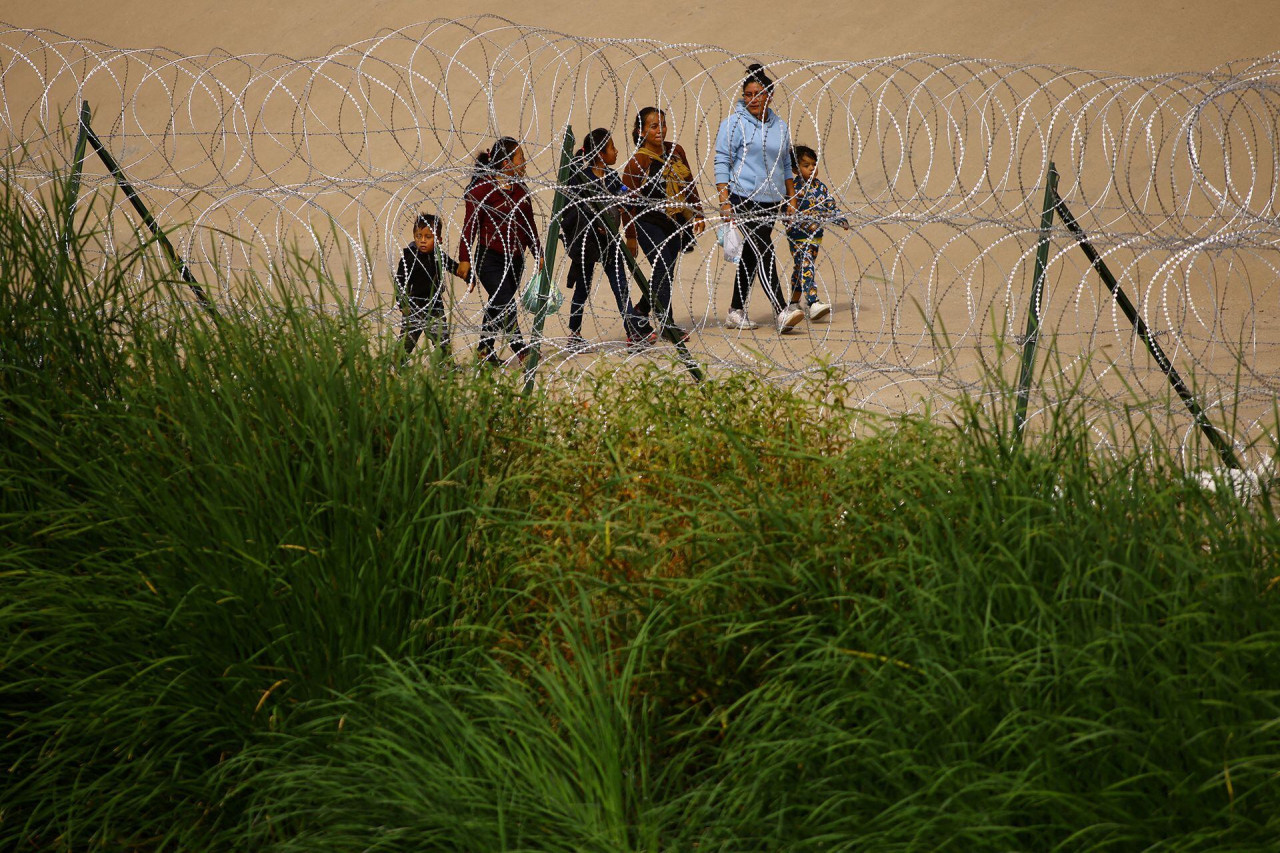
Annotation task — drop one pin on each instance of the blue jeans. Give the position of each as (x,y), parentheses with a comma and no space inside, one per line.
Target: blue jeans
(662,247)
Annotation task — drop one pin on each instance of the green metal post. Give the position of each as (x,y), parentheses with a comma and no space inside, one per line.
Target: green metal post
(141,208)
(1032,338)
(73,182)
(549,258)
(1215,438)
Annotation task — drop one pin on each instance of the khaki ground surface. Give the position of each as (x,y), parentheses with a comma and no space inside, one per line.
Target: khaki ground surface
(1126,36)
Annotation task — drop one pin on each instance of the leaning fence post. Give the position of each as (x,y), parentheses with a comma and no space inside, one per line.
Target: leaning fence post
(130,193)
(1032,338)
(1220,444)
(549,257)
(73,182)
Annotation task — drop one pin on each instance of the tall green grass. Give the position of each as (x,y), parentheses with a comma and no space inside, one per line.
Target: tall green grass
(264,591)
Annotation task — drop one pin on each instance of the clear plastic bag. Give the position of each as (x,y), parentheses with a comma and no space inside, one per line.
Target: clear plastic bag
(730,239)
(531,297)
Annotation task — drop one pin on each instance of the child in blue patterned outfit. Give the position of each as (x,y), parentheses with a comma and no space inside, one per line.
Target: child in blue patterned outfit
(814,207)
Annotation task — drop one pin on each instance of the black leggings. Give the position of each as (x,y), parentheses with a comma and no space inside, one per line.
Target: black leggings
(500,275)
(759,257)
(584,256)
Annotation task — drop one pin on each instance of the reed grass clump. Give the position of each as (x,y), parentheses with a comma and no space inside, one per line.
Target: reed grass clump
(265,588)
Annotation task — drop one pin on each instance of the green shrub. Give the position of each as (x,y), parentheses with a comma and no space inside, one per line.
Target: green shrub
(265,589)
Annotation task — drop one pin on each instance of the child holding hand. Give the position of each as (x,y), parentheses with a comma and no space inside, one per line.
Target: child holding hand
(420,285)
(814,207)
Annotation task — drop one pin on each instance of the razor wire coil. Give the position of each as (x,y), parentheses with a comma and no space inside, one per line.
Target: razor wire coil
(939,163)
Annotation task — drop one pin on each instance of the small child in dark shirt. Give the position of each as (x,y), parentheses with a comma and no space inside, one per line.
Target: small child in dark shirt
(420,285)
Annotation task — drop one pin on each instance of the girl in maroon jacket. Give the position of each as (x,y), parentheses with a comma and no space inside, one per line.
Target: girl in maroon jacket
(497,229)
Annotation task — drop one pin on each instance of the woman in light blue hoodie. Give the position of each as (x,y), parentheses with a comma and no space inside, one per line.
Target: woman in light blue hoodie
(754,178)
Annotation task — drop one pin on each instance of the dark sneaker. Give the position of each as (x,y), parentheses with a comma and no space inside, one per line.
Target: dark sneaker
(672,332)
(642,326)
(641,340)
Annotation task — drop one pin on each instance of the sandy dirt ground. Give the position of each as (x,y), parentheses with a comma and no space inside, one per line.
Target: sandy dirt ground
(896,284)
(1126,36)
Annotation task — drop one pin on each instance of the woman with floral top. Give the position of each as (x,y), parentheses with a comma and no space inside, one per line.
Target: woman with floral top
(665,215)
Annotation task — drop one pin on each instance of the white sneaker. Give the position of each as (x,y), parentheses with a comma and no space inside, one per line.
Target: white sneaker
(818,310)
(738,319)
(788,318)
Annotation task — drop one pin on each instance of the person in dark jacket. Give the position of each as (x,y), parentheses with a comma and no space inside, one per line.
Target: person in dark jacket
(589,226)
(497,230)
(420,285)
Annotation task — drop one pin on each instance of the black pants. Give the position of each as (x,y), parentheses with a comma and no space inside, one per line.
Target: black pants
(424,314)
(759,258)
(584,255)
(500,276)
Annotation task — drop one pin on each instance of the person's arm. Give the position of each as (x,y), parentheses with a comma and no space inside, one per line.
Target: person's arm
(524,210)
(470,233)
(691,195)
(789,184)
(453,267)
(633,176)
(402,276)
(726,209)
(724,165)
(605,210)
(593,203)
(829,209)
(470,226)
(449,264)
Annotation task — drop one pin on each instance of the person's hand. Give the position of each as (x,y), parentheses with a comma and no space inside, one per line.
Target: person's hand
(633,246)
(464,270)
(791,206)
(471,285)
(699,225)
(844,225)
(726,211)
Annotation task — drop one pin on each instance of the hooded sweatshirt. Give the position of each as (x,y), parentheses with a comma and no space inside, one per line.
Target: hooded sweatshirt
(498,218)
(754,157)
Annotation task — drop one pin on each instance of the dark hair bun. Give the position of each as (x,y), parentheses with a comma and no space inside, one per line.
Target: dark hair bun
(756,74)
